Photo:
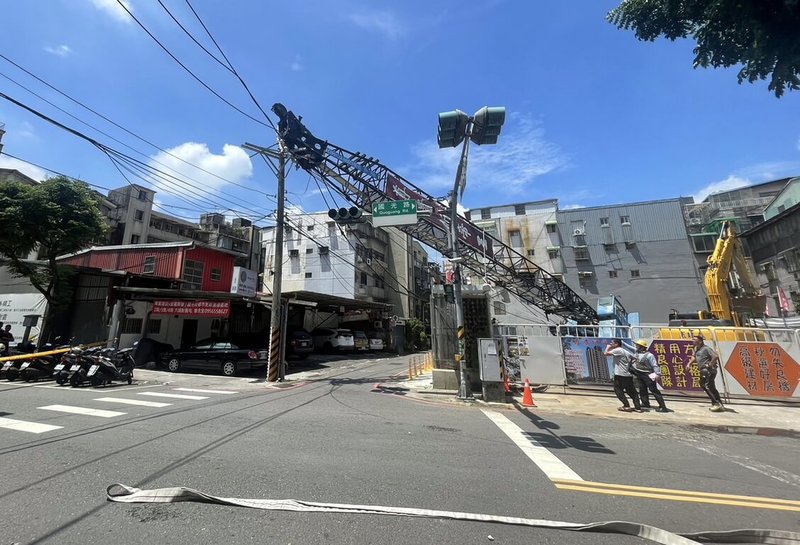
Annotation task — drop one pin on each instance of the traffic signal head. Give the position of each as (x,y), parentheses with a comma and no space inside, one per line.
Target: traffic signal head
(347,215)
(449,293)
(452,128)
(487,123)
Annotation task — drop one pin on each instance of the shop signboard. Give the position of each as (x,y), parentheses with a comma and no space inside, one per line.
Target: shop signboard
(244,282)
(196,309)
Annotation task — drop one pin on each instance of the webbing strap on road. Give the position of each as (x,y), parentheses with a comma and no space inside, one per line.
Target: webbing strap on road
(127,494)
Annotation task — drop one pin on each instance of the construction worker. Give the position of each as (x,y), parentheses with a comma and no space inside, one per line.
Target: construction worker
(707,361)
(646,374)
(623,380)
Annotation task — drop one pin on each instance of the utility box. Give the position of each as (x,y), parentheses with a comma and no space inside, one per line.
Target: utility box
(491,378)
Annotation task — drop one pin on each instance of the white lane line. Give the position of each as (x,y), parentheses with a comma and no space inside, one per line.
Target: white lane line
(30,427)
(550,465)
(139,402)
(82,410)
(173,396)
(748,463)
(205,391)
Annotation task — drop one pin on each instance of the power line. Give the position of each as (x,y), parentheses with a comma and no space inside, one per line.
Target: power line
(111,121)
(189,71)
(150,170)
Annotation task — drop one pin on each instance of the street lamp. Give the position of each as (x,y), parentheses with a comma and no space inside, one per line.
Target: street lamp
(456,127)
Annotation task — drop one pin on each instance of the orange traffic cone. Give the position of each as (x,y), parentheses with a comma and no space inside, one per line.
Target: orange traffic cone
(506,386)
(527,397)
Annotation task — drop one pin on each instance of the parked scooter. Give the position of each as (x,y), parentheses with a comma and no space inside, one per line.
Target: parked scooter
(40,368)
(110,366)
(11,369)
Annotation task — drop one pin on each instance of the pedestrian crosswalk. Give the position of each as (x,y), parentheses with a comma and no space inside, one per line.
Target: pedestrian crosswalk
(130,399)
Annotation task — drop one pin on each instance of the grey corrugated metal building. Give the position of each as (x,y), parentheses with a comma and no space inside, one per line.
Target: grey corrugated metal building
(639,252)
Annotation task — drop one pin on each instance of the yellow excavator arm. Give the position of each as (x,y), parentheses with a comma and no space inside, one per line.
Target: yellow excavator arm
(729,284)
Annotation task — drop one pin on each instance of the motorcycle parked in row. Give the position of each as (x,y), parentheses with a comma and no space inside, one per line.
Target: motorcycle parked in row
(112,365)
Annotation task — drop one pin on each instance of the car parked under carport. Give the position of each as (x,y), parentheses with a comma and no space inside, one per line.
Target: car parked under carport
(215,355)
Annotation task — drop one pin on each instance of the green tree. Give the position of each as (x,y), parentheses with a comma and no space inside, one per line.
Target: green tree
(761,35)
(57,217)
(416,338)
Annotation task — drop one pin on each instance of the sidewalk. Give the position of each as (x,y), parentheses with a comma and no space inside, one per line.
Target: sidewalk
(762,417)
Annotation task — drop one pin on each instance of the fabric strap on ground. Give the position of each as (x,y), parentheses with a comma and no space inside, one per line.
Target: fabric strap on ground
(126,494)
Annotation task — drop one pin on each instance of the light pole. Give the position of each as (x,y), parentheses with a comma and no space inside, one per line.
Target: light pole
(456,127)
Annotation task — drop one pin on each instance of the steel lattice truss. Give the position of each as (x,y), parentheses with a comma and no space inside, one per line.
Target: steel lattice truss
(362,181)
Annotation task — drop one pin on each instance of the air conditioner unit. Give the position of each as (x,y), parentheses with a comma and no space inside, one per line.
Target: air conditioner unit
(579,232)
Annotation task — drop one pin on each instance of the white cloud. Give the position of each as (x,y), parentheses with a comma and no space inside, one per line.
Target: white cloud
(59,50)
(297,64)
(571,206)
(26,168)
(729,183)
(233,165)
(114,9)
(383,22)
(520,156)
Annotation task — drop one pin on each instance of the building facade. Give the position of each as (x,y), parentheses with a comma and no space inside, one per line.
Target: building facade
(638,252)
(775,251)
(356,262)
(531,229)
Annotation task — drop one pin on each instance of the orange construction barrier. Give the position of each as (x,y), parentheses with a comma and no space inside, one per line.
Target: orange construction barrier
(527,397)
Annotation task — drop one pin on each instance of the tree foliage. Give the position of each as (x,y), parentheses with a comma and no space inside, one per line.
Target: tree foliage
(57,217)
(761,35)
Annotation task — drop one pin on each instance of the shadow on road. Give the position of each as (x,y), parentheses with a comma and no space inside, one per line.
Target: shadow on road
(552,440)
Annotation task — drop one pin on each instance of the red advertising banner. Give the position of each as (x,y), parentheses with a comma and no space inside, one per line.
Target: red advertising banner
(199,309)
(672,357)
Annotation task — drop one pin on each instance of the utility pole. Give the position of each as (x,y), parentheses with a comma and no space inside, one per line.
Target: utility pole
(275,370)
(464,390)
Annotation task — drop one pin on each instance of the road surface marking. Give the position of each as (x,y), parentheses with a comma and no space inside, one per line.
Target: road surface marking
(550,465)
(173,396)
(753,465)
(133,402)
(556,471)
(30,427)
(205,391)
(82,410)
(678,495)
(116,388)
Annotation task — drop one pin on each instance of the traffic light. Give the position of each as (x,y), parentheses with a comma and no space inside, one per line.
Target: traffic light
(449,293)
(452,128)
(347,216)
(486,125)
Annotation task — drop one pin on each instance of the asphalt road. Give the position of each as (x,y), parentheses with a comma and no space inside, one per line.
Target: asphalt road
(333,439)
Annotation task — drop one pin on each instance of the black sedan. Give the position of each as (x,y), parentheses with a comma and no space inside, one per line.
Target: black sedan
(215,355)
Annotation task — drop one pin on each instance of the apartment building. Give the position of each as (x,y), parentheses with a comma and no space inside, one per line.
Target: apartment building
(355,262)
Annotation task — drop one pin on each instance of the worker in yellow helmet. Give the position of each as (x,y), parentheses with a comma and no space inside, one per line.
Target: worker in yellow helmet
(646,373)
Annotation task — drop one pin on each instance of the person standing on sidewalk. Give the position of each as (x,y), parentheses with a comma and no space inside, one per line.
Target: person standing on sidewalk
(623,380)
(707,361)
(646,373)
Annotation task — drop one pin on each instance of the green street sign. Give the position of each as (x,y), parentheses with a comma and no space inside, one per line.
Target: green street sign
(390,213)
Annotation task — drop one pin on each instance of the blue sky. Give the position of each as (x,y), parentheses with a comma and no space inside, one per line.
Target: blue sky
(594,116)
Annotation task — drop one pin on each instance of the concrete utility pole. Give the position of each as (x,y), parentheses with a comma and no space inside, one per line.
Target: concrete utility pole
(275,370)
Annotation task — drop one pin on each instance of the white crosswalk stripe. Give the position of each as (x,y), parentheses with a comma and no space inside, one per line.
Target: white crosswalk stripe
(173,396)
(86,411)
(35,427)
(30,427)
(139,402)
(205,391)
